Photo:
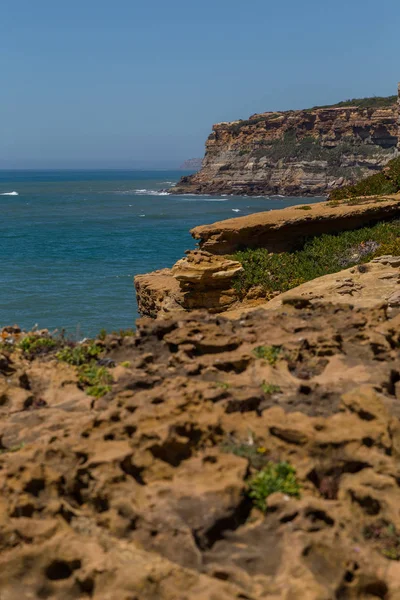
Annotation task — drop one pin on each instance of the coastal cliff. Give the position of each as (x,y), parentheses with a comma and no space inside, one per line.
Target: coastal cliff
(297,152)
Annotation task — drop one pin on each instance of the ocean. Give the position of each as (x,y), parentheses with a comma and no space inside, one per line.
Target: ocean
(72,241)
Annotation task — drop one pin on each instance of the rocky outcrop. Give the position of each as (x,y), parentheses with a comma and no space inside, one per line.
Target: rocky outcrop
(369,285)
(200,280)
(305,152)
(144,493)
(282,230)
(204,278)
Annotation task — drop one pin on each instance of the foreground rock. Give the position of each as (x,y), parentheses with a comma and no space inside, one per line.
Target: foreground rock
(200,280)
(143,493)
(304,152)
(282,230)
(369,285)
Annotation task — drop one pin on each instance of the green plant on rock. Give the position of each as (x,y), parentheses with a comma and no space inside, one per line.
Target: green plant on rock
(275,477)
(268,353)
(80,355)
(222,384)
(270,388)
(31,345)
(319,256)
(306,207)
(386,181)
(385,537)
(96,380)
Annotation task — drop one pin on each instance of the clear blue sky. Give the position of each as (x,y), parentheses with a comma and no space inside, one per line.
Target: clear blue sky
(140,82)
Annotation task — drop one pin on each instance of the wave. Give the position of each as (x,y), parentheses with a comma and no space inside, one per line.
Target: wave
(141,192)
(236,209)
(151,192)
(9,194)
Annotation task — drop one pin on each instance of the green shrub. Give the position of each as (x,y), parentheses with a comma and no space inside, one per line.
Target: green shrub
(96,380)
(269,353)
(31,345)
(303,207)
(279,477)
(270,388)
(386,181)
(372,102)
(80,355)
(319,256)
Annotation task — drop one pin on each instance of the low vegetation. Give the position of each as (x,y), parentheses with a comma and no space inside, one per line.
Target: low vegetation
(386,181)
(80,355)
(372,102)
(32,345)
(275,477)
(268,353)
(270,388)
(385,538)
(93,377)
(319,256)
(95,380)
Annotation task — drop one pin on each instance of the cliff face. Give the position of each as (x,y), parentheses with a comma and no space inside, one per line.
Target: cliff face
(306,152)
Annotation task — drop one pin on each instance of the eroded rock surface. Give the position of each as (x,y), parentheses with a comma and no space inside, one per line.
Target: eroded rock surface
(142,494)
(367,285)
(200,280)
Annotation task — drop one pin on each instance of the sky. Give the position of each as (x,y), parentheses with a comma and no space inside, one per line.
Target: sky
(133,83)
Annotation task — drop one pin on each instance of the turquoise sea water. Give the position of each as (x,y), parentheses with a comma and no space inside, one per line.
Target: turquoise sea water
(71,242)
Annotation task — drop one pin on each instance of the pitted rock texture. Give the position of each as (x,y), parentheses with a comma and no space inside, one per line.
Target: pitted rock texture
(367,285)
(140,495)
(335,146)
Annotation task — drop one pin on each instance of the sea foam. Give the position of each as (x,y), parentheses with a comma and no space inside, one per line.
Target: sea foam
(9,194)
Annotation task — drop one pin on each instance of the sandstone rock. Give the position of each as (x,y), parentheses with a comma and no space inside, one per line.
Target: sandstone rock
(143,493)
(200,280)
(375,285)
(281,230)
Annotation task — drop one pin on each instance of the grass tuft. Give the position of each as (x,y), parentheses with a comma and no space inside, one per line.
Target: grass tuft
(32,345)
(275,477)
(270,388)
(80,355)
(96,380)
(269,353)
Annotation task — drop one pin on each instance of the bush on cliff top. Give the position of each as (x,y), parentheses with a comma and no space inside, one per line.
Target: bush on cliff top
(386,181)
(372,102)
(319,256)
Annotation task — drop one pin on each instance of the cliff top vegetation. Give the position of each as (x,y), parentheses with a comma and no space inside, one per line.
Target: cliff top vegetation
(386,181)
(372,102)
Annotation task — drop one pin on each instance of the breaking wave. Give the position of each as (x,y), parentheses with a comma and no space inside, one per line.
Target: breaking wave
(9,194)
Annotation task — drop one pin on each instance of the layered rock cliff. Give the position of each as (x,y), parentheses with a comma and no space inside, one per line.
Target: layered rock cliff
(303,152)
